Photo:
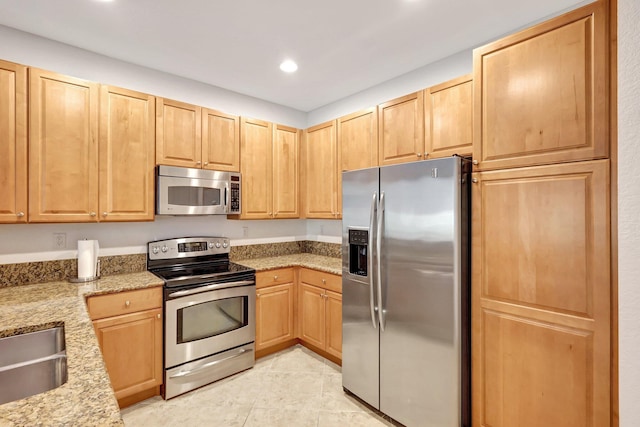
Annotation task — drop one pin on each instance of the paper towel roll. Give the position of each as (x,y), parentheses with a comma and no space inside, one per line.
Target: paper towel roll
(87,258)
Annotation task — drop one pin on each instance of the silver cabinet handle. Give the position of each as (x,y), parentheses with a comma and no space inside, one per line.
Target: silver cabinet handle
(207,365)
(372,221)
(211,288)
(379,259)
(20,214)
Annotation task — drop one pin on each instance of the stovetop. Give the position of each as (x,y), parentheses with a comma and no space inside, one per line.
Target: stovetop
(201,273)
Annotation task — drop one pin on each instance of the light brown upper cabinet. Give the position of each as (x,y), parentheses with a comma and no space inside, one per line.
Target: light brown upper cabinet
(322,189)
(63,148)
(127,155)
(195,137)
(358,140)
(539,94)
(178,134)
(13,143)
(269,167)
(541,296)
(448,118)
(401,129)
(286,142)
(220,141)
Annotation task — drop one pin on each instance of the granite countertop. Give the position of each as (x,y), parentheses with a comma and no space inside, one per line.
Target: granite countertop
(86,398)
(316,262)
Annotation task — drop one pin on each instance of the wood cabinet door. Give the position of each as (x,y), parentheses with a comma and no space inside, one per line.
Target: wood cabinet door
(541,95)
(322,180)
(401,129)
(256,168)
(312,315)
(63,148)
(286,202)
(178,134)
(333,311)
(448,118)
(13,143)
(220,141)
(541,296)
(131,346)
(127,155)
(274,315)
(358,140)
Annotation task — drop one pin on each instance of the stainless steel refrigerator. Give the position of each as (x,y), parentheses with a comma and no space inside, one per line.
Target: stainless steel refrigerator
(405,284)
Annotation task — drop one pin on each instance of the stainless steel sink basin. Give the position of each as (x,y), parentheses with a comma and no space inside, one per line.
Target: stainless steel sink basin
(32,363)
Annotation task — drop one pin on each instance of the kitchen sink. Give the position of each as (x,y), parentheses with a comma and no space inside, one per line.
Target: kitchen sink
(32,363)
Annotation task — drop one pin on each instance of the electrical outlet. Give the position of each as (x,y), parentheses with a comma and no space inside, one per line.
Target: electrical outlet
(59,240)
(245,231)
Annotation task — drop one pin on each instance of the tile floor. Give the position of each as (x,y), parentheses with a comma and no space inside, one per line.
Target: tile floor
(294,387)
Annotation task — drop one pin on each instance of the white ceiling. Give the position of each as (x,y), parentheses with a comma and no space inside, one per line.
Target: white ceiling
(341,46)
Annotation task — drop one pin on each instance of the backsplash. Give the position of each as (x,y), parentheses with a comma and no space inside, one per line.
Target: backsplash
(48,271)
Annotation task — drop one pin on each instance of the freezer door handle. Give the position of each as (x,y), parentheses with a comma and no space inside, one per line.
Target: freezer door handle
(380,225)
(372,221)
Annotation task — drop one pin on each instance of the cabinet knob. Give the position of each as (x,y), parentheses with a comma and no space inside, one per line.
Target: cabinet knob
(158,315)
(20,214)
(419,154)
(324,281)
(474,180)
(198,163)
(275,277)
(475,162)
(206,163)
(258,295)
(426,154)
(127,303)
(92,214)
(105,213)
(269,214)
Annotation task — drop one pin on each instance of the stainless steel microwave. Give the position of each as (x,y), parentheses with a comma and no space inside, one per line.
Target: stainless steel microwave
(188,191)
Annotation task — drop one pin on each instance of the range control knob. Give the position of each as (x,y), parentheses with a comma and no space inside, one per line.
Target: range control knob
(210,245)
(225,244)
(217,244)
(164,248)
(155,250)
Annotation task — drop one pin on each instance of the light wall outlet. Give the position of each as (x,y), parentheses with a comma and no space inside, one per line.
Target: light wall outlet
(59,240)
(245,231)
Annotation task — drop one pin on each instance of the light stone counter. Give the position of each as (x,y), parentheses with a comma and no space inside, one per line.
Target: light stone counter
(86,399)
(316,262)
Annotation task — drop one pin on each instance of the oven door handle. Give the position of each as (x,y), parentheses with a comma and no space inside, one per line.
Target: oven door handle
(211,287)
(199,369)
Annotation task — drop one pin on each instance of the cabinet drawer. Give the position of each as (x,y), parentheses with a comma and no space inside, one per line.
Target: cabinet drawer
(274,277)
(321,279)
(102,306)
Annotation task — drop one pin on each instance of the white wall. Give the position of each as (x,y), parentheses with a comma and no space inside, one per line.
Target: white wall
(629,210)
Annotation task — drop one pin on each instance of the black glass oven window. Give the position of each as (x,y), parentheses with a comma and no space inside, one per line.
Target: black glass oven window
(212,318)
(194,196)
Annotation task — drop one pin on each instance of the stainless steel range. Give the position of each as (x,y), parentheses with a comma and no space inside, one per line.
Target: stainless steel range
(209,307)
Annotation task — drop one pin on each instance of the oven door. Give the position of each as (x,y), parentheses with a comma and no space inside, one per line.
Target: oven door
(201,323)
(192,196)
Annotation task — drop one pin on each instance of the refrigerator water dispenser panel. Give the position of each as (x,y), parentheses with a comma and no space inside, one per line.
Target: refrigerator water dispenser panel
(358,250)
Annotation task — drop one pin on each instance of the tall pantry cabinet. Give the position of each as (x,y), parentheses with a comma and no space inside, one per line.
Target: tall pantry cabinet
(13,143)
(541,294)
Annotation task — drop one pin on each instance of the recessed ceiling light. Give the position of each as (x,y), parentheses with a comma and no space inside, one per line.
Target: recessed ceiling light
(288,66)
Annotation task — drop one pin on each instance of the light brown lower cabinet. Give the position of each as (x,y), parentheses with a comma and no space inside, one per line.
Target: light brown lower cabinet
(129,330)
(275,310)
(541,296)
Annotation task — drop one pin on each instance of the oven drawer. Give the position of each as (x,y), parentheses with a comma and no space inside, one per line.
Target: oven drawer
(321,279)
(274,277)
(101,306)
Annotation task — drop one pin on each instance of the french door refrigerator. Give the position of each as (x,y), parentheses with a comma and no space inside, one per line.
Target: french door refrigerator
(405,284)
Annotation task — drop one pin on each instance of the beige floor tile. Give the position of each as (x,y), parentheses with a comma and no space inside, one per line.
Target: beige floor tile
(264,417)
(298,359)
(350,419)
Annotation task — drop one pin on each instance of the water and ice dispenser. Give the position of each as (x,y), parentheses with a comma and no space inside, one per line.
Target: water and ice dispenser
(358,251)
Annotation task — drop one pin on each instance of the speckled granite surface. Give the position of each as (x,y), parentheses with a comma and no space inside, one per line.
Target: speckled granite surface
(316,262)
(47,271)
(86,399)
(285,248)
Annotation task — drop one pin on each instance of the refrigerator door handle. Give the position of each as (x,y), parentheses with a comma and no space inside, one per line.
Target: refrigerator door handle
(380,224)
(372,221)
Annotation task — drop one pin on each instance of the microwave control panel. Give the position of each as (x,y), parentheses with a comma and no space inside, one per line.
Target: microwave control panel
(234,201)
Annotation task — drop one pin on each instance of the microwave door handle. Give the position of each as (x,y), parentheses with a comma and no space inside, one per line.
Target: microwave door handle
(226,199)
